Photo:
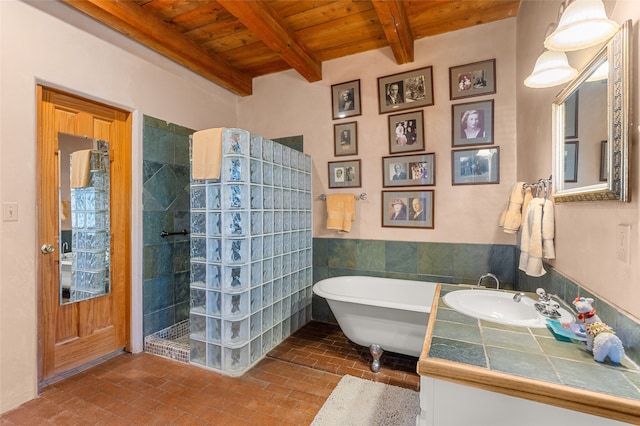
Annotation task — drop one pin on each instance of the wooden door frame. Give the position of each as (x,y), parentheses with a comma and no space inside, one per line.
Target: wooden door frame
(121,217)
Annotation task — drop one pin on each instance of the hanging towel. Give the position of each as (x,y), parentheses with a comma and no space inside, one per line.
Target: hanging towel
(206,154)
(340,211)
(537,237)
(80,168)
(511,216)
(548,230)
(65,213)
(528,196)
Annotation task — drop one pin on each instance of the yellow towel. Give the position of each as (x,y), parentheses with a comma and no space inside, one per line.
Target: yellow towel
(206,154)
(340,211)
(80,168)
(65,214)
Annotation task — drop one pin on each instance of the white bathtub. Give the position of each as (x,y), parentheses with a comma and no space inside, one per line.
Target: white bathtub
(391,313)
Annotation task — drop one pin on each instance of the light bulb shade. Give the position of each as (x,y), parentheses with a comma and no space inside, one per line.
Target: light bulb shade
(583,24)
(552,68)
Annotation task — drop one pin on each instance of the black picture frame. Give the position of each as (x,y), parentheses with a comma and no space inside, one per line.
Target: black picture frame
(345,174)
(476,166)
(571,161)
(345,139)
(409,170)
(342,107)
(462,118)
(408,209)
(406,132)
(474,79)
(413,89)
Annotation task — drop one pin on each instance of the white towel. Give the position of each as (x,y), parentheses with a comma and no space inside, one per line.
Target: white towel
(511,216)
(536,241)
(528,196)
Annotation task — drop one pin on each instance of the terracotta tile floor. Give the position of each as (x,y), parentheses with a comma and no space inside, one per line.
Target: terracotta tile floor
(288,387)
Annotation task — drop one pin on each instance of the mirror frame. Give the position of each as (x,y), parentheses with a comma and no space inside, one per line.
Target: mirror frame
(617,52)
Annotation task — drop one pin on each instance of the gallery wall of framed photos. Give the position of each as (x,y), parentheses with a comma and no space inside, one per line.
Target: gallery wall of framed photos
(403,101)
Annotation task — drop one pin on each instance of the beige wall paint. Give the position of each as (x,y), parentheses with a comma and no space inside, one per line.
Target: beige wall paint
(38,45)
(585,232)
(285,104)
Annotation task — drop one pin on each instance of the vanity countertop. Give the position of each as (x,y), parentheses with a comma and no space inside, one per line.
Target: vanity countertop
(527,363)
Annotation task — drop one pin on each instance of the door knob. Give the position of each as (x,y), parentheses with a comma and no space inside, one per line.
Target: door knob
(47,248)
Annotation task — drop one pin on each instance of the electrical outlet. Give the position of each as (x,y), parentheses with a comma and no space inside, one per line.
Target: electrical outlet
(10,212)
(623,236)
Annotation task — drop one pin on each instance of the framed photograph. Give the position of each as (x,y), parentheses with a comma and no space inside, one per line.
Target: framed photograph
(345,137)
(604,162)
(475,166)
(344,174)
(406,132)
(406,90)
(571,116)
(345,99)
(571,161)
(475,79)
(472,123)
(407,209)
(409,170)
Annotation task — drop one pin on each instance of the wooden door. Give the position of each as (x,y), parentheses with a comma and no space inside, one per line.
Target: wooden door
(74,334)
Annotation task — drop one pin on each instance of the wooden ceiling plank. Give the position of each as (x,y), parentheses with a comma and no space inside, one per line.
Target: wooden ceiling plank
(395,24)
(273,31)
(131,20)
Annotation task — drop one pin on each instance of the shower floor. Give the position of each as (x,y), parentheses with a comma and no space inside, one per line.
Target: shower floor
(171,342)
(317,345)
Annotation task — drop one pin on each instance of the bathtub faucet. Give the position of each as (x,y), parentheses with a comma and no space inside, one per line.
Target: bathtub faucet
(489,275)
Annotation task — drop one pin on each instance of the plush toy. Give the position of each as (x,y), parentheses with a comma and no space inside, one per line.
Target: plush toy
(601,339)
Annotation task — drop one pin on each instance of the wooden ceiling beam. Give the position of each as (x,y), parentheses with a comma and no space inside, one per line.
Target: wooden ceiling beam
(395,24)
(129,19)
(262,20)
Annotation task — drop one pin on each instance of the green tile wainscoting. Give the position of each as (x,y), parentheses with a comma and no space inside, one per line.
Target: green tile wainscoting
(452,263)
(419,261)
(166,268)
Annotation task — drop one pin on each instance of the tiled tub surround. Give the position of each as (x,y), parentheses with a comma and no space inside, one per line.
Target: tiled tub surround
(166,208)
(527,363)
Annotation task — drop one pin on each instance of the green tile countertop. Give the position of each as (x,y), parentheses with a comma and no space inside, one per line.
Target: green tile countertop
(526,362)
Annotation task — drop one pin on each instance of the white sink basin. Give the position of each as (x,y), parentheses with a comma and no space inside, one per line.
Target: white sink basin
(499,306)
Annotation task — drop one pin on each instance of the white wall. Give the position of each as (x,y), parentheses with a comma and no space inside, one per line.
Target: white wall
(585,232)
(39,45)
(285,104)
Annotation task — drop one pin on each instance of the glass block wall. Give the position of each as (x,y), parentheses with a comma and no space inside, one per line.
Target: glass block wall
(90,275)
(251,253)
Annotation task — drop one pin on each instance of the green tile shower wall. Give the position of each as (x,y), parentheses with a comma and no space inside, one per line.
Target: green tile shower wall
(420,261)
(166,207)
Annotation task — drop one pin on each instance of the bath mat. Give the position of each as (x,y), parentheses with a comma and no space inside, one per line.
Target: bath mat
(359,402)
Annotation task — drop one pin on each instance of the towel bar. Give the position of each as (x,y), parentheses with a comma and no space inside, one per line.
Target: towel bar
(166,234)
(362,196)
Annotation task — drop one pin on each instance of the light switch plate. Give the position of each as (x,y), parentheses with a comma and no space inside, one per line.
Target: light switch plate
(10,212)
(623,237)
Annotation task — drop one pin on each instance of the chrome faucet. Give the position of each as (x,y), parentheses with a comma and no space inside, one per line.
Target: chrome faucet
(65,247)
(545,304)
(489,275)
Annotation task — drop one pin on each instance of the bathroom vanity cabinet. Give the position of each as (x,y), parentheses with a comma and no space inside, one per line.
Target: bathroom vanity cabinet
(479,372)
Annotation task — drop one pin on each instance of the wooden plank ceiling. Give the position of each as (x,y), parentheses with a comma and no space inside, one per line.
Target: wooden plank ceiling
(232,41)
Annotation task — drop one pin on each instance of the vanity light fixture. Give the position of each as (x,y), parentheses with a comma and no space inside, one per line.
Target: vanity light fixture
(583,24)
(552,68)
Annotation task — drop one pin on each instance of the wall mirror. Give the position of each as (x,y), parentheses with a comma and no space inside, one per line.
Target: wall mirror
(84,217)
(591,127)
